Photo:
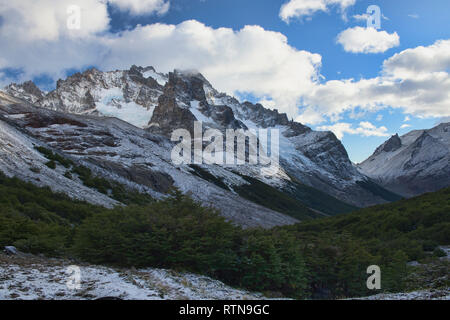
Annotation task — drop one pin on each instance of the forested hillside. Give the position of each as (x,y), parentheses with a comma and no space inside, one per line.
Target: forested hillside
(324,258)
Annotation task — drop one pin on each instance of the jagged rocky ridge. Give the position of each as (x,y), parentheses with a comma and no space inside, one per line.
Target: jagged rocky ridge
(414,163)
(77,122)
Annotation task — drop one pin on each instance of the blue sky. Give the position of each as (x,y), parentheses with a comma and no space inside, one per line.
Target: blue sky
(417,23)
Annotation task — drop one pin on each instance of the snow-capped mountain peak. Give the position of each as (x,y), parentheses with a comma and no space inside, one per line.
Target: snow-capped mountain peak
(414,163)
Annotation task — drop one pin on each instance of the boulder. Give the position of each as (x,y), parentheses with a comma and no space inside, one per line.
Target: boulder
(10,250)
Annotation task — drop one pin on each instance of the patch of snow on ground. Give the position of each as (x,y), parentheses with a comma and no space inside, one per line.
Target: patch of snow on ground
(27,277)
(433,294)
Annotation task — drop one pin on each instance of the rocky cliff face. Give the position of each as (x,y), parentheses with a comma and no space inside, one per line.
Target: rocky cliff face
(413,164)
(160,103)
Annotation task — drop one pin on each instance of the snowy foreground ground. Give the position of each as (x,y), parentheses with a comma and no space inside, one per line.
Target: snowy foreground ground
(30,277)
(416,295)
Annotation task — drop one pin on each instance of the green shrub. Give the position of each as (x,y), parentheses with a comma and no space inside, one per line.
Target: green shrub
(54,157)
(438,252)
(110,188)
(51,164)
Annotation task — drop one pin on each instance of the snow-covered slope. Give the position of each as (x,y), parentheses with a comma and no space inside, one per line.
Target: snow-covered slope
(112,149)
(414,163)
(163,103)
(19,158)
(442,294)
(28,277)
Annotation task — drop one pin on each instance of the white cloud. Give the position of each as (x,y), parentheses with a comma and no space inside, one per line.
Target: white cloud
(415,80)
(365,129)
(35,37)
(367,40)
(306,8)
(407,118)
(413,15)
(379,117)
(251,60)
(46,20)
(140,7)
(420,61)
(404,126)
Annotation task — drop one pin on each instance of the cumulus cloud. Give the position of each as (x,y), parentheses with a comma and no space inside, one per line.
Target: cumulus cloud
(364,128)
(420,61)
(415,80)
(306,8)
(36,39)
(31,20)
(367,40)
(140,7)
(250,60)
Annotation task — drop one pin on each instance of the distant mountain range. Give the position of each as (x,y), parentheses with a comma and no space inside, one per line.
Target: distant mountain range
(414,163)
(118,124)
